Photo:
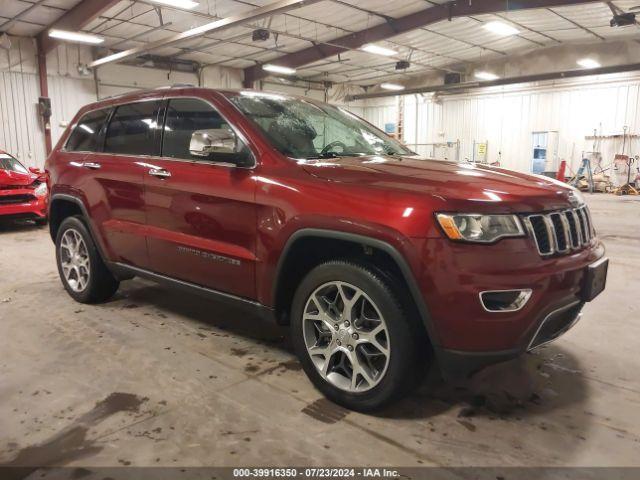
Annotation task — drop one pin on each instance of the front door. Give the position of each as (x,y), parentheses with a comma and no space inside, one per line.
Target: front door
(201,213)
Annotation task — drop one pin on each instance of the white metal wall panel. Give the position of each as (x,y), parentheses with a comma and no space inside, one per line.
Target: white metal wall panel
(507,120)
(22,133)
(68,95)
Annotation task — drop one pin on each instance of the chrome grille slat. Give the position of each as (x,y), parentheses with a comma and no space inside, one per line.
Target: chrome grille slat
(583,226)
(578,231)
(573,229)
(562,231)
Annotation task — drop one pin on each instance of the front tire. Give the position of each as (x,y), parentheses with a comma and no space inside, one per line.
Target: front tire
(82,271)
(357,342)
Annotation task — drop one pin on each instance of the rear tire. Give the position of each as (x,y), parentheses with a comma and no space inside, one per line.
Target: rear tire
(346,313)
(83,273)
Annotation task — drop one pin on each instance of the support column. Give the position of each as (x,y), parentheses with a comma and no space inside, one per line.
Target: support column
(44,92)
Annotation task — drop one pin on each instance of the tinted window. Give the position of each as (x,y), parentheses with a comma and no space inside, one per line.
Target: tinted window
(188,115)
(132,129)
(85,135)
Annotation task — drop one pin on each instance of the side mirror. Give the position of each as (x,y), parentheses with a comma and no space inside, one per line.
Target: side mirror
(35,170)
(206,142)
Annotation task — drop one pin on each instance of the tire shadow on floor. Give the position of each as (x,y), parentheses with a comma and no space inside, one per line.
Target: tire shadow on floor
(533,384)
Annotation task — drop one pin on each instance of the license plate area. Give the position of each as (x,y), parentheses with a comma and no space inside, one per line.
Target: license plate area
(595,279)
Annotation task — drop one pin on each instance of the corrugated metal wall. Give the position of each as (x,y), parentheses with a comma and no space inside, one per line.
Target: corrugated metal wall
(506,119)
(21,131)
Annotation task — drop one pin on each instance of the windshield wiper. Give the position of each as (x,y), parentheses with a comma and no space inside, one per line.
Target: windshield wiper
(324,155)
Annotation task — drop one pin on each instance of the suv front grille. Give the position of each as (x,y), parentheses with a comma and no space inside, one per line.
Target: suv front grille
(561,231)
(20,198)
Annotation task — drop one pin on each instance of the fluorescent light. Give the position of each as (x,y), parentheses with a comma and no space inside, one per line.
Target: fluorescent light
(188,4)
(378,50)
(588,63)
(501,28)
(486,76)
(278,69)
(392,86)
(75,36)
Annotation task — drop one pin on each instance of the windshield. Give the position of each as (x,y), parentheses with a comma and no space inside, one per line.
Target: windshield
(303,129)
(7,162)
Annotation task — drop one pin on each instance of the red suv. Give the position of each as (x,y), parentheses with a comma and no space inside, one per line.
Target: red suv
(383,263)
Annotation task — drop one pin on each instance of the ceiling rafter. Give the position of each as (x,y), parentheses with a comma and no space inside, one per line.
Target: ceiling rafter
(524,27)
(576,24)
(383,31)
(316,41)
(9,23)
(74,20)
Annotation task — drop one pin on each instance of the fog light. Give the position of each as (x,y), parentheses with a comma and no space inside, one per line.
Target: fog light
(504,300)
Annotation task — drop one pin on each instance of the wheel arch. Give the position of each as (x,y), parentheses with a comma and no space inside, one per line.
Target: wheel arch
(296,260)
(63,205)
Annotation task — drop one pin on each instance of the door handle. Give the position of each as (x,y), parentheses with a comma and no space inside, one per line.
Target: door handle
(159,172)
(91,165)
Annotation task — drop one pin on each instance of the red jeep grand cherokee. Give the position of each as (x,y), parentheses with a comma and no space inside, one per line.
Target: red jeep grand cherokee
(381,262)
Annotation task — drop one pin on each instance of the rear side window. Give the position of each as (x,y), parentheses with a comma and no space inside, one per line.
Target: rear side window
(185,116)
(133,129)
(86,133)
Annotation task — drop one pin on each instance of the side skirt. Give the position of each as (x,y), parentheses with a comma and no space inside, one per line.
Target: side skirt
(245,304)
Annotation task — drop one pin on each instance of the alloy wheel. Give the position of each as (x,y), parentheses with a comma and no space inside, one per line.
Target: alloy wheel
(74,260)
(346,336)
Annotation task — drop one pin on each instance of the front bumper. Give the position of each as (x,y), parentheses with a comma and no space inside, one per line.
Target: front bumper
(456,364)
(468,336)
(22,203)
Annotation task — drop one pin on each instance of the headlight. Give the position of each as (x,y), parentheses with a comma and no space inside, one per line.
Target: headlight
(579,196)
(41,190)
(479,228)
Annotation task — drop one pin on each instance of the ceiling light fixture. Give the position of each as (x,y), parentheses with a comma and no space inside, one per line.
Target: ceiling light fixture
(588,63)
(392,86)
(187,4)
(486,76)
(75,36)
(500,28)
(378,50)
(278,69)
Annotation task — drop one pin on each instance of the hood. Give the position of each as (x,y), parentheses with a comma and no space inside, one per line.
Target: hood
(487,188)
(16,179)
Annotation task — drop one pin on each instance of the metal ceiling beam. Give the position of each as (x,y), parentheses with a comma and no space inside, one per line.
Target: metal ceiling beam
(503,81)
(404,24)
(268,10)
(74,20)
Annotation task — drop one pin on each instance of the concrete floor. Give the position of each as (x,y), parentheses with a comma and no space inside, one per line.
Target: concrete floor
(155,377)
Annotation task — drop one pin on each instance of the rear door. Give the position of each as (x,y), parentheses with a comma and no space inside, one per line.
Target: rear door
(114,179)
(201,212)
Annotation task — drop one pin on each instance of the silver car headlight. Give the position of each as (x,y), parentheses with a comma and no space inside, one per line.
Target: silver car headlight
(479,228)
(41,190)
